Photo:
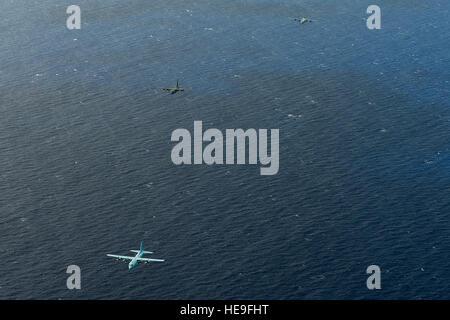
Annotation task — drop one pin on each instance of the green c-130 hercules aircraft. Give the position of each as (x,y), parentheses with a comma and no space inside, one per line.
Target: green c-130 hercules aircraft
(174,89)
(136,259)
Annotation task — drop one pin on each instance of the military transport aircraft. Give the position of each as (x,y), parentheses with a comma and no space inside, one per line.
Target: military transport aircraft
(302,20)
(136,259)
(174,89)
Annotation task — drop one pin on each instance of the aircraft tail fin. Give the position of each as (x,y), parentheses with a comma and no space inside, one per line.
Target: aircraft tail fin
(141,248)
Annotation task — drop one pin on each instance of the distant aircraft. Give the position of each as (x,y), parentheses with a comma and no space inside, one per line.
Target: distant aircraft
(136,259)
(303,20)
(174,89)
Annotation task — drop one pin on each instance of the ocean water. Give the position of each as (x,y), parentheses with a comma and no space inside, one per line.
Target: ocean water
(85,165)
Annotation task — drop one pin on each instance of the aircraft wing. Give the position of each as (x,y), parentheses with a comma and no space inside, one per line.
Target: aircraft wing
(120,257)
(149,260)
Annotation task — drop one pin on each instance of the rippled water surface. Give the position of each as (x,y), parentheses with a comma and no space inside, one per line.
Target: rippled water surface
(85,164)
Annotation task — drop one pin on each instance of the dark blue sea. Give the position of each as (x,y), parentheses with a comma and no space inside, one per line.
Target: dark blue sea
(85,166)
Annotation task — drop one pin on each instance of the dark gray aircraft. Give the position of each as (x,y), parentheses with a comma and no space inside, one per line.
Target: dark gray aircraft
(302,20)
(174,89)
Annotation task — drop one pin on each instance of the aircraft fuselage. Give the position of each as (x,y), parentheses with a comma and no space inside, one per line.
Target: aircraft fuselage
(133,263)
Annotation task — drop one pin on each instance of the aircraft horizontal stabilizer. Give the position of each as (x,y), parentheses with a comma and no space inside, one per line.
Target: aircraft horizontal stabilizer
(137,251)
